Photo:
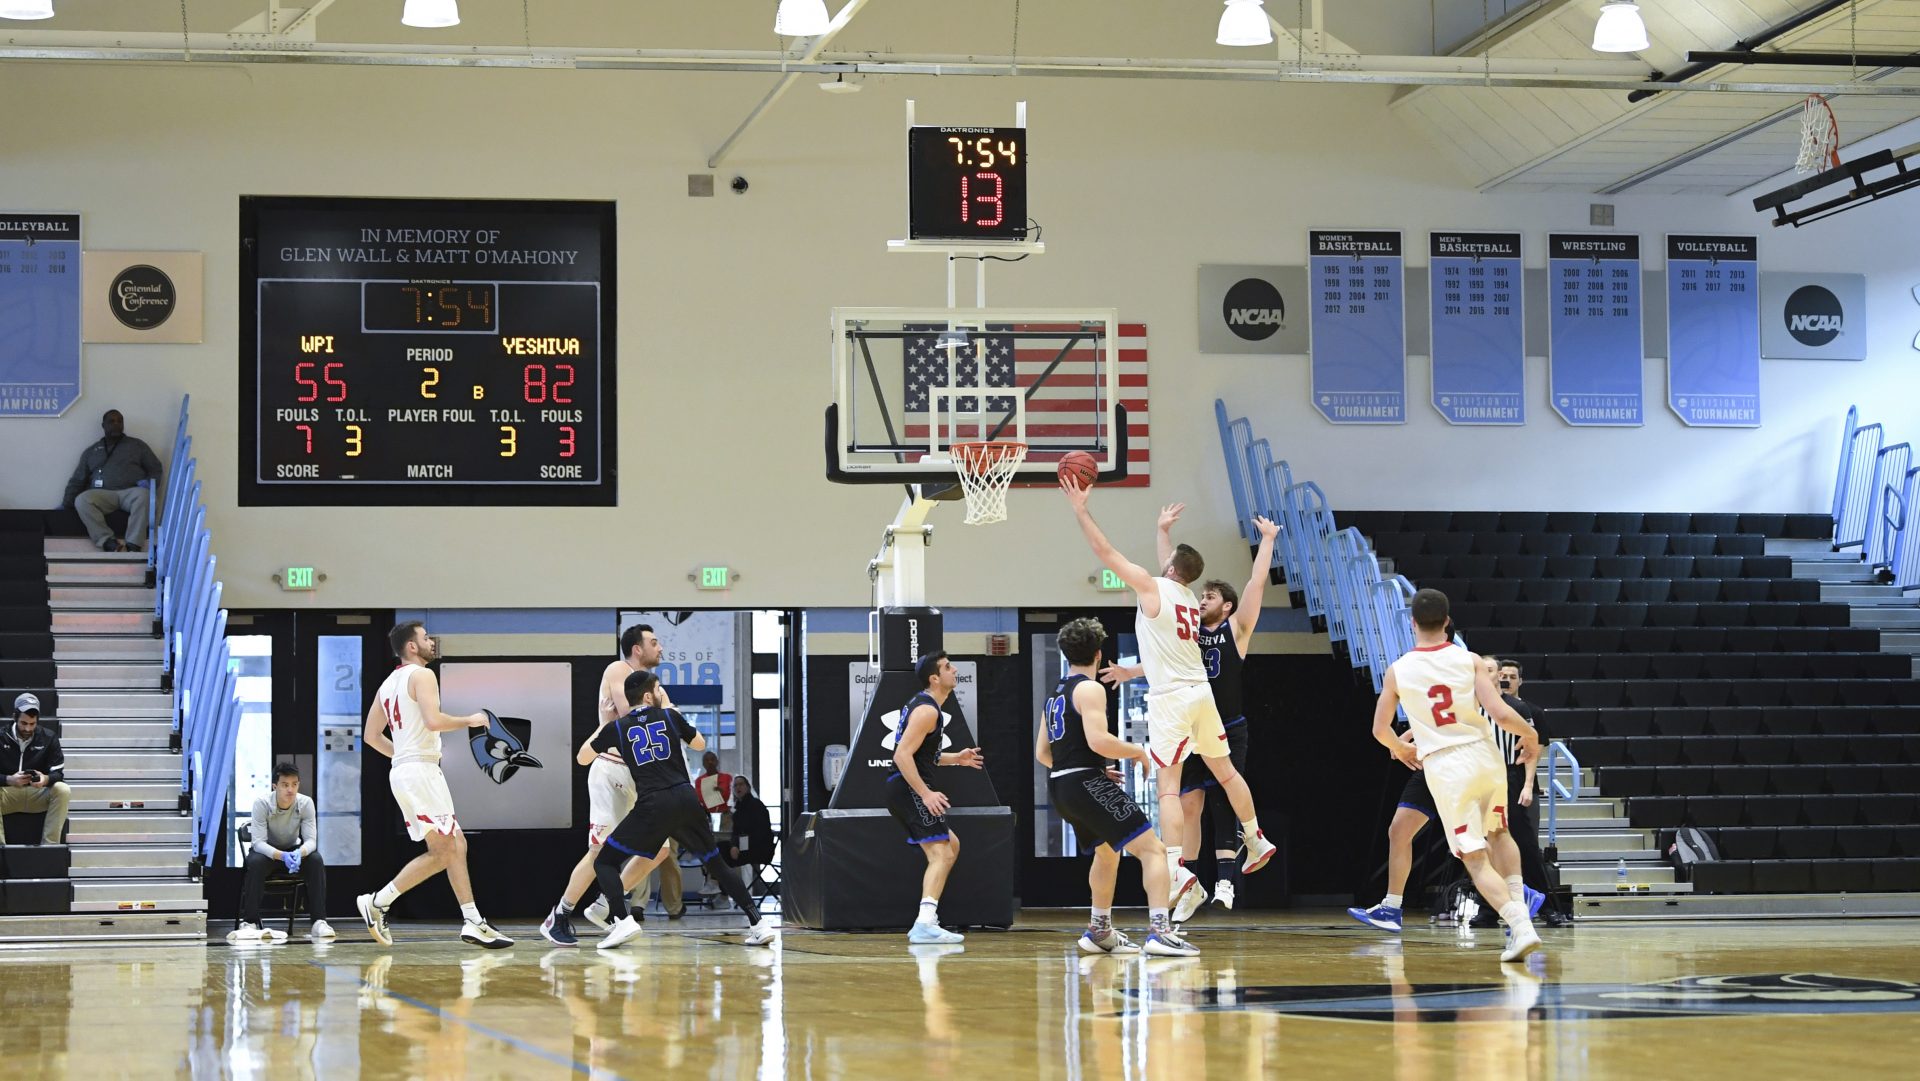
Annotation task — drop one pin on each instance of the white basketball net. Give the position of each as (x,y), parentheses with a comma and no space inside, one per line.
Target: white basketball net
(1819,137)
(986,472)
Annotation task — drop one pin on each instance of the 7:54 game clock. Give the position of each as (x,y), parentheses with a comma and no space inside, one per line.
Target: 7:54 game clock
(967,183)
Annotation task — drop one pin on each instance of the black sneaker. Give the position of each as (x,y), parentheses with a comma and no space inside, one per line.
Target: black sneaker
(558,929)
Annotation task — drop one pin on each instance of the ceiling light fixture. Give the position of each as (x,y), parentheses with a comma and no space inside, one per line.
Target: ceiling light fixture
(1244,23)
(801,18)
(1620,28)
(26,9)
(431,14)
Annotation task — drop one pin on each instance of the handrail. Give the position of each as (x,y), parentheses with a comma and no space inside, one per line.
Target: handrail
(1555,753)
(1854,493)
(1234,437)
(1848,427)
(1889,468)
(1906,549)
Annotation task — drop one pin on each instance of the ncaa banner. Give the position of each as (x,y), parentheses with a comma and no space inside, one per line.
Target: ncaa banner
(1252,309)
(1358,326)
(1713,330)
(39,314)
(1813,316)
(1594,348)
(1476,311)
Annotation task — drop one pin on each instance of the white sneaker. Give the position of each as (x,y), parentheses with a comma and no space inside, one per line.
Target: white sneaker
(481,933)
(1259,851)
(321,931)
(1169,944)
(762,934)
(1109,941)
(376,918)
(597,913)
(1523,942)
(923,933)
(620,932)
(272,937)
(1188,896)
(1223,893)
(246,932)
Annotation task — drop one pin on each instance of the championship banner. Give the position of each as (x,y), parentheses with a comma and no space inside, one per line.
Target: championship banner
(39,314)
(1594,345)
(1477,313)
(1713,330)
(1358,326)
(696,649)
(520,778)
(144,296)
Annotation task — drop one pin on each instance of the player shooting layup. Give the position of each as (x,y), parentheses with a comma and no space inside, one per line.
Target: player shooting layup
(1181,715)
(1437,685)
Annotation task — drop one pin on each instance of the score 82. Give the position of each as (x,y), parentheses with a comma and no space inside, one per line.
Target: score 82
(540,386)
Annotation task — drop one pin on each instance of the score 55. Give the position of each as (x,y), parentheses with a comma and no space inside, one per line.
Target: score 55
(304,372)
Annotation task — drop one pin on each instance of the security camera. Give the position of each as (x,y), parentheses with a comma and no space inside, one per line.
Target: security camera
(739,185)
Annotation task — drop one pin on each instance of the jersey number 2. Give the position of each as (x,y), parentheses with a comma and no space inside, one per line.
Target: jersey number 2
(1441,696)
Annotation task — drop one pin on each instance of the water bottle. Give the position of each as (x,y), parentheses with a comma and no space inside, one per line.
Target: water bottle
(1620,876)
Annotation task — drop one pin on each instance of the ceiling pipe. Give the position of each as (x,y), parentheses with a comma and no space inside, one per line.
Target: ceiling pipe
(1809,60)
(1695,70)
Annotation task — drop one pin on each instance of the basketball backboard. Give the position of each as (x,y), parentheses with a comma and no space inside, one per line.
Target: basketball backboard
(910,383)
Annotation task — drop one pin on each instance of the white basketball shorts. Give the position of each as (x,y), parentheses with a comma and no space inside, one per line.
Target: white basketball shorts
(1181,721)
(1469,787)
(609,798)
(421,791)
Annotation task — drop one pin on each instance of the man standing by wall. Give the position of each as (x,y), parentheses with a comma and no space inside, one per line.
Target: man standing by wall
(117,473)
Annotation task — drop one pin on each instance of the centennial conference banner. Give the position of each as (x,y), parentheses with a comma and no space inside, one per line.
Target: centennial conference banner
(1713,330)
(1359,326)
(1474,293)
(1594,348)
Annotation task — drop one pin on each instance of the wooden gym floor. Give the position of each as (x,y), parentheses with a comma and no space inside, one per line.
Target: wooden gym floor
(1305,995)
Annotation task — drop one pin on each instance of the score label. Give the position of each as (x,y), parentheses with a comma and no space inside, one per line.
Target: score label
(967,183)
(377,373)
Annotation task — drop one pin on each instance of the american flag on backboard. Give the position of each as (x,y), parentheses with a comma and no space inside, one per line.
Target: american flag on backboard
(1062,381)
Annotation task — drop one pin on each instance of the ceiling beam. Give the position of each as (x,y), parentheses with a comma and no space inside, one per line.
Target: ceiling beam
(809,54)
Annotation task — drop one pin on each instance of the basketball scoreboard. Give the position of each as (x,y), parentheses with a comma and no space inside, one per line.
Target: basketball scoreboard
(418,352)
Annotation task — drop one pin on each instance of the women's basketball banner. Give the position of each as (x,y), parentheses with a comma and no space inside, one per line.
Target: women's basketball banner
(1713,330)
(1475,308)
(1593,329)
(1358,326)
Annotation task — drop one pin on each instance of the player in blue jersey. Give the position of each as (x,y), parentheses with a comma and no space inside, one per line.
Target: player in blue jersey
(1074,744)
(649,738)
(920,808)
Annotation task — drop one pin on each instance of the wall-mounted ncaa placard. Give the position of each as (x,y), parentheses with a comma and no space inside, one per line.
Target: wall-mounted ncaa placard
(1713,330)
(1359,325)
(1474,304)
(1252,309)
(1593,329)
(144,296)
(1813,316)
(39,313)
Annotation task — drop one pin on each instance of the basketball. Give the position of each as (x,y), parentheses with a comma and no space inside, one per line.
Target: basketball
(1080,467)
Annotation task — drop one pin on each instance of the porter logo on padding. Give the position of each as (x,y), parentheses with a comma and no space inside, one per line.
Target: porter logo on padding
(1254,309)
(1813,315)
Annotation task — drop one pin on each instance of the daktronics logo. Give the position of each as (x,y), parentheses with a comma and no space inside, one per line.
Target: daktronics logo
(1813,315)
(1254,309)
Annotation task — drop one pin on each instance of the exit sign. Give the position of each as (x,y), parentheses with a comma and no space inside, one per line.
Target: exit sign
(715,578)
(297,578)
(1110,581)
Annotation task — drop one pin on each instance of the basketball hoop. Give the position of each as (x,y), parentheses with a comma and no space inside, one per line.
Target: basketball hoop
(1819,137)
(986,471)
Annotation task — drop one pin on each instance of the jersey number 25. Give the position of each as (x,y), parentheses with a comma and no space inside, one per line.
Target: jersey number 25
(649,742)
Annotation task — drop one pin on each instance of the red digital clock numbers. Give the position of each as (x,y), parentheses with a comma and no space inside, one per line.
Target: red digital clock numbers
(967,183)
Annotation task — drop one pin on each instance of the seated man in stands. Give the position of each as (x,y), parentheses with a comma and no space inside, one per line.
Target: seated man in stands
(285,832)
(34,769)
(752,829)
(119,472)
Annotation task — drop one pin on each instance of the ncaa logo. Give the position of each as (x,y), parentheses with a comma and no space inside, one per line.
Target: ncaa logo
(1254,309)
(1813,315)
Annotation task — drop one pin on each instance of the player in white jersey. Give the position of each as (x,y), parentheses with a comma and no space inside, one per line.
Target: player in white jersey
(1182,718)
(1437,685)
(408,705)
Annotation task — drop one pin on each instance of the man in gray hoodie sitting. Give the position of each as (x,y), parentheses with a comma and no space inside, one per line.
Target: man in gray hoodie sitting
(285,832)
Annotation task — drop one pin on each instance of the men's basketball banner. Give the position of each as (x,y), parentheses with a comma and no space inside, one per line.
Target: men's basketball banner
(1474,294)
(1713,330)
(1359,326)
(1063,383)
(1593,329)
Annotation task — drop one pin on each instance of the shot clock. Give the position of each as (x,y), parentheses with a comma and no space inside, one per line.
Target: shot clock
(423,351)
(967,183)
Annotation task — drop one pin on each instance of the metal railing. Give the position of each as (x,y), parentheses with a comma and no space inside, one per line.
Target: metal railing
(1853,490)
(1884,517)
(196,664)
(1906,546)
(1554,754)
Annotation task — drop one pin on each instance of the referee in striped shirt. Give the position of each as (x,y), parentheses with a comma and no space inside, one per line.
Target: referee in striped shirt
(1520,790)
